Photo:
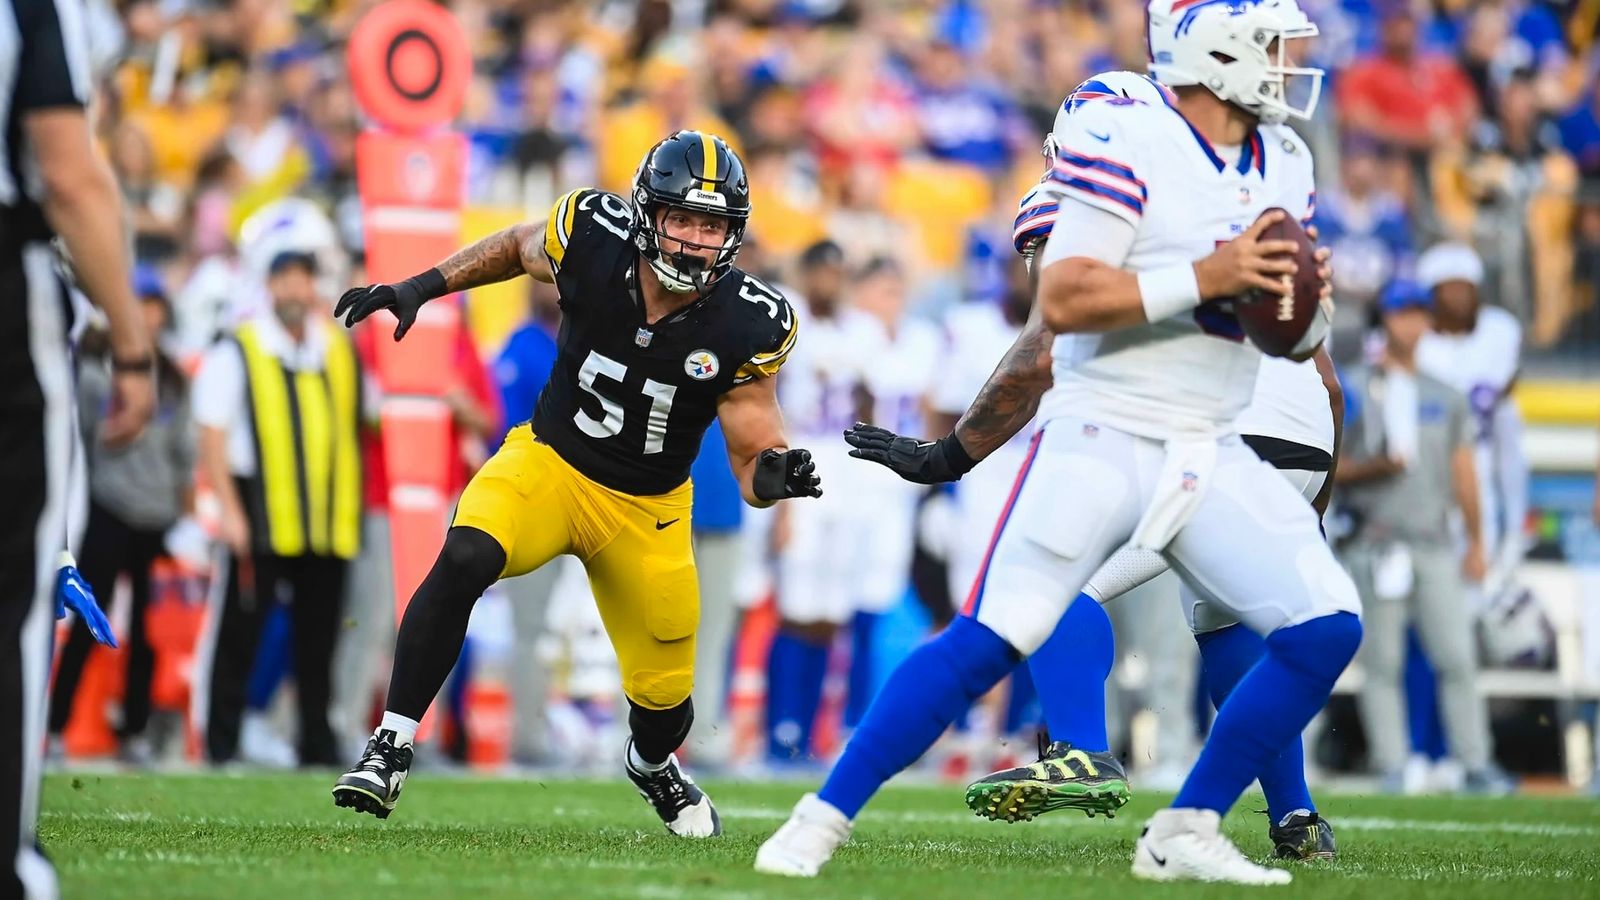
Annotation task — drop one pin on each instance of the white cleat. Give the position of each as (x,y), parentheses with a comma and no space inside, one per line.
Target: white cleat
(800,848)
(1187,845)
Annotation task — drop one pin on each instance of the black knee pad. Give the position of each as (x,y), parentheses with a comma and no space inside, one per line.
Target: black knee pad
(658,732)
(470,557)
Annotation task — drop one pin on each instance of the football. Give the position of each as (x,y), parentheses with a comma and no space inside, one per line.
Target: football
(1276,321)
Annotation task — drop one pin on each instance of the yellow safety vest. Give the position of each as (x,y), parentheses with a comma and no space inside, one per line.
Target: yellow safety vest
(307,431)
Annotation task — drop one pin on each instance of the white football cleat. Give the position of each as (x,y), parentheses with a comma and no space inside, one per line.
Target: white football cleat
(1187,845)
(800,848)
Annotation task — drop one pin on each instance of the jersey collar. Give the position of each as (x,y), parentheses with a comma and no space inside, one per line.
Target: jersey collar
(638,301)
(1252,156)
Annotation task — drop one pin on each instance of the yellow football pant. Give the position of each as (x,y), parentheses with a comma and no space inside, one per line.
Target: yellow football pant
(636,550)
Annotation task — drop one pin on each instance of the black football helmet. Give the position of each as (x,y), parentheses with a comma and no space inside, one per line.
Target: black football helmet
(690,170)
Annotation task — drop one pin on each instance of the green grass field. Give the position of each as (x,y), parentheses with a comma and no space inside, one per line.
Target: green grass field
(280,837)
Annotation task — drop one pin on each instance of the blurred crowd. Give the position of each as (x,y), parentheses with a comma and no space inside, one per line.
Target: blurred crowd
(904,129)
(887,145)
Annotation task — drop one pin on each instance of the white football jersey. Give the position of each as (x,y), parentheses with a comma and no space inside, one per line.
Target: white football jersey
(1291,404)
(1189,375)
(1481,364)
(900,370)
(824,376)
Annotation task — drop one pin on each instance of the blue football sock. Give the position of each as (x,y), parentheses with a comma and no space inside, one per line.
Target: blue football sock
(922,697)
(1070,673)
(1022,707)
(1228,654)
(1269,707)
(795,669)
(1422,701)
(863,678)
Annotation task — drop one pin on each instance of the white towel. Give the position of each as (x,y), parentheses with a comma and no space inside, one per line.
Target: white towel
(1185,476)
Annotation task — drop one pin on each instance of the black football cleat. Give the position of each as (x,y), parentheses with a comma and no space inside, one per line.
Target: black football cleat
(374,784)
(682,806)
(1303,835)
(1063,778)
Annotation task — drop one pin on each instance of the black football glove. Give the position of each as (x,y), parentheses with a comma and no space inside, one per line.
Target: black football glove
(403,299)
(781,474)
(924,462)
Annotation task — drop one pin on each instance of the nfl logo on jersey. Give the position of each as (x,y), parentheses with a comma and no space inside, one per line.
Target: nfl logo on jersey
(701,365)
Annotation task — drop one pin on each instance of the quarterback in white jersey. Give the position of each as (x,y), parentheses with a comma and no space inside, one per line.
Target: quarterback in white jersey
(1291,423)
(1158,230)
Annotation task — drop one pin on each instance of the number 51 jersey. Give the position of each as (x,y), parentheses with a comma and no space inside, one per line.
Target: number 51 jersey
(628,402)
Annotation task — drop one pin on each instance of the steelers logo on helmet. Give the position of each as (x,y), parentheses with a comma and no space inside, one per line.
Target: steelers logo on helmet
(702,365)
(698,172)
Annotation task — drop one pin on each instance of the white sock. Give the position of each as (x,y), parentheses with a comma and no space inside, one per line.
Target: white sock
(405,730)
(638,763)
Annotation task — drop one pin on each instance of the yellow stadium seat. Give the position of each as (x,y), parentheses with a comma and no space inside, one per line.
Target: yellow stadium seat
(938,201)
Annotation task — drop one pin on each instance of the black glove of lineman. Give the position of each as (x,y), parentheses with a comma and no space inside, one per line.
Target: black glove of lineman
(924,462)
(402,299)
(786,473)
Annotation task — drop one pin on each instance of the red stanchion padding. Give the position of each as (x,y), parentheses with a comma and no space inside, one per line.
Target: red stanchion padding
(410,65)
(417,450)
(411,192)
(488,723)
(425,361)
(417,522)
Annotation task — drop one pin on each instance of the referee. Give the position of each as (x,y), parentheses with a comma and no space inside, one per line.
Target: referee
(53,184)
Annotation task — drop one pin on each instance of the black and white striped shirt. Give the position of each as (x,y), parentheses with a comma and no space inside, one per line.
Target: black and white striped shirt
(44,64)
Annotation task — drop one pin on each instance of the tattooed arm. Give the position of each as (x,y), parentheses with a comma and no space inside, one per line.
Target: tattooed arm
(1010,397)
(1003,406)
(505,254)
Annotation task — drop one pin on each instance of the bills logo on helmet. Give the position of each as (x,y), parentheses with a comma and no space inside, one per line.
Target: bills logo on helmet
(702,365)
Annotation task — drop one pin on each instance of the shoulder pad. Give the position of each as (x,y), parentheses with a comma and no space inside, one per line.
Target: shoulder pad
(776,327)
(580,213)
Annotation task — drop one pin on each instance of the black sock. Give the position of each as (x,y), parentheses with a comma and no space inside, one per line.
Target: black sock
(435,623)
(658,732)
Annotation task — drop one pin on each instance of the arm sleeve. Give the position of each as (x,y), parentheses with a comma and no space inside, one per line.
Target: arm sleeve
(53,70)
(1089,231)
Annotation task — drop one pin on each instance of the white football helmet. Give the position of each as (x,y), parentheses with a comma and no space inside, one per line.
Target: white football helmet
(1237,49)
(1105,86)
(294,223)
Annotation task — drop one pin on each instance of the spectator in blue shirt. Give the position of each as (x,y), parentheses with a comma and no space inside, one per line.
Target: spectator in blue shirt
(963,117)
(529,355)
(1369,230)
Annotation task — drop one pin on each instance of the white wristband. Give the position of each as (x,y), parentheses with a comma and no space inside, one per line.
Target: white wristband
(1168,291)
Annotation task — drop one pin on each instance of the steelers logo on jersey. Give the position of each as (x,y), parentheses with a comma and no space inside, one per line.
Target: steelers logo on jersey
(702,365)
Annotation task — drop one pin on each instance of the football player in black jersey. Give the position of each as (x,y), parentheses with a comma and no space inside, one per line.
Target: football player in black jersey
(659,335)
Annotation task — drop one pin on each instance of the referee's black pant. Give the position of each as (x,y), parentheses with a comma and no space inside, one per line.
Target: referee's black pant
(314,588)
(37,434)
